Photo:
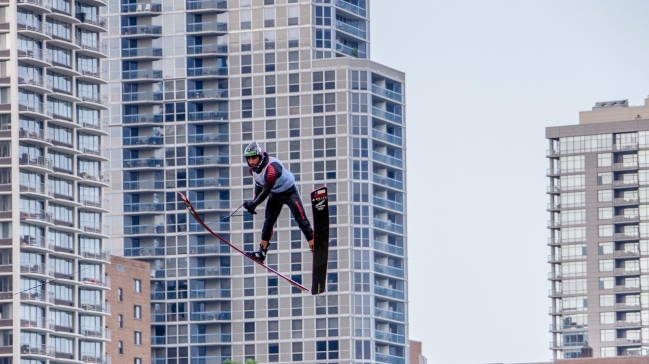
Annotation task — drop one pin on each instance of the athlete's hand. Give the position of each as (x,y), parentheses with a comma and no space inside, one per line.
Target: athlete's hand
(249,207)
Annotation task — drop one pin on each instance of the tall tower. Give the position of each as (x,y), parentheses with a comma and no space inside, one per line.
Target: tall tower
(599,231)
(52,231)
(196,82)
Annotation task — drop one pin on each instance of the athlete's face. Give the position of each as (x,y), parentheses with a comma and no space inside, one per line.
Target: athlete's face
(253,161)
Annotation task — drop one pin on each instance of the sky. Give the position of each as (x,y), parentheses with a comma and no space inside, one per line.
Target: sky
(483,81)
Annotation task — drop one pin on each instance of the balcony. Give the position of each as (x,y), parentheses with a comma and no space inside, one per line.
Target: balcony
(35,108)
(142,119)
(35,268)
(210,338)
(142,96)
(631,271)
(96,280)
(388,225)
(211,204)
(628,341)
(144,229)
(389,248)
(144,207)
(212,93)
(386,115)
(388,204)
(626,236)
(210,160)
(208,138)
(207,49)
(207,71)
(144,185)
(389,292)
(95,47)
(206,5)
(34,295)
(390,359)
(35,215)
(36,322)
(627,288)
(388,270)
(625,166)
(142,31)
(622,323)
(209,271)
(142,140)
(207,115)
(93,98)
(143,162)
(625,201)
(628,306)
(93,123)
(95,306)
(386,159)
(36,5)
(625,219)
(36,242)
(209,182)
(389,315)
(36,349)
(351,8)
(210,293)
(91,21)
(210,316)
(95,332)
(625,183)
(387,181)
(388,138)
(98,177)
(93,227)
(214,225)
(144,251)
(142,52)
(207,27)
(141,9)
(386,336)
(34,28)
(626,253)
(388,94)
(94,358)
(33,187)
(35,55)
(349,51)
(144,74)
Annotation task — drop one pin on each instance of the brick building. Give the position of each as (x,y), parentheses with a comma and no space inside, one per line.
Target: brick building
(416,356)
(130,320)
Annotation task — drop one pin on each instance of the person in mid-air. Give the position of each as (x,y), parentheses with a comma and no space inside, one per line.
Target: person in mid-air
(275,182)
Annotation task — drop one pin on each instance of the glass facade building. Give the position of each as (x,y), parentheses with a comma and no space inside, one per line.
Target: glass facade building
(52,204)
(599,232)
(192,83)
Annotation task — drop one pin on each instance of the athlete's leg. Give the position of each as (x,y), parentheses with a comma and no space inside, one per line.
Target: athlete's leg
(294,202)
(273,209)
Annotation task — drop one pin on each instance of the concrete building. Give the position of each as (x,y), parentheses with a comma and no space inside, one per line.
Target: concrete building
(599,231)
(416,356)
(130,320)
(193,82)
(52,229)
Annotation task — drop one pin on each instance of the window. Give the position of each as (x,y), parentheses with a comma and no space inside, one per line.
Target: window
(321,349)
(605,248)
(293,37)
(294,149)
(604,159)
(270,84)
(607,335)
(271,131)
(137,360)
(605,178)
(246,133)
(297,350)
(606,300)
(324,169)
(137,312)
(273,352)
(323,15)
(269,17)
(269,62)
(249,308)
(296,328)
(294,82)
(246,19)
(273,330)
(293,15)
(604,196)
(271,106)
(120,347)
(294,127)
(327,304)
(324,102)
(324,147)
(605,230)
(249,331)
(246,86)
(295,169)
(249,286)
(120,321)
(138,338)
(246,41)
(137,286)
(297,278)
(273,307)
(120,295)
(324,125)
(605,213)
(296,306)
(324,80)
(605,282)
(272,286)
(293,60)
(296,261)
(246,108)
(246,63)
(606,265)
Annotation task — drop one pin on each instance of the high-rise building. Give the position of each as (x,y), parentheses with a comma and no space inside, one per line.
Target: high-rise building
(193,82)
(52,247)
(599,232)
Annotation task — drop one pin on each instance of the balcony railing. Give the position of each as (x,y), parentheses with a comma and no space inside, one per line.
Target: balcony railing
(390,315)
(34,106)
(626,236)
(389,292)
(91,123)
(206,4)
(92,45)
(35,214)
(386,93)
(95,176)
(353,52)
(141,8)
(94,227)
(36,241)
(142,96)
(207,115)
(211,204)
(35,268)
(143,162)
(90,18)
(388,225)
(384,158)
(142,52)
(142,140)
(387,137)
(390,359)
(209,271)
(212,93)
(208,138)
(143,73)
(203,160)
(42,3)
(94,358)
(389,248)
(207,27)
(210,338)
(387,181)
(142,30)
(35,80)
(144,207)
(209,182)
(210,293)
(207,48)
(386,336)
(144,185)
(210,316)
(34,187)
(96,254)
(389,204)
(33,25)
(144,229)
(386,269)
(351,8)
(207,71)
(36,322)
(95,332)
(35,53)
(395,118)
(142,118)
(626,183)
(96,306)
(347,28)
(144,251)
(626,201)
(97,280)
(36,349)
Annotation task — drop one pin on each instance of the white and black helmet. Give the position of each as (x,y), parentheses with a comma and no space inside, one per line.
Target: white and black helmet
(252,150)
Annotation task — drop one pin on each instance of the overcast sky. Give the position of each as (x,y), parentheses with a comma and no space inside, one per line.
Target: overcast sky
(484,79)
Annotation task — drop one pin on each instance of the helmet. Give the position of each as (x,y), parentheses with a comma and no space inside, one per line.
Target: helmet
(252,150)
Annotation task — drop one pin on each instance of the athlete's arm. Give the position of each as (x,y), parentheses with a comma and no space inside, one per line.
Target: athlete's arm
(273,172)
